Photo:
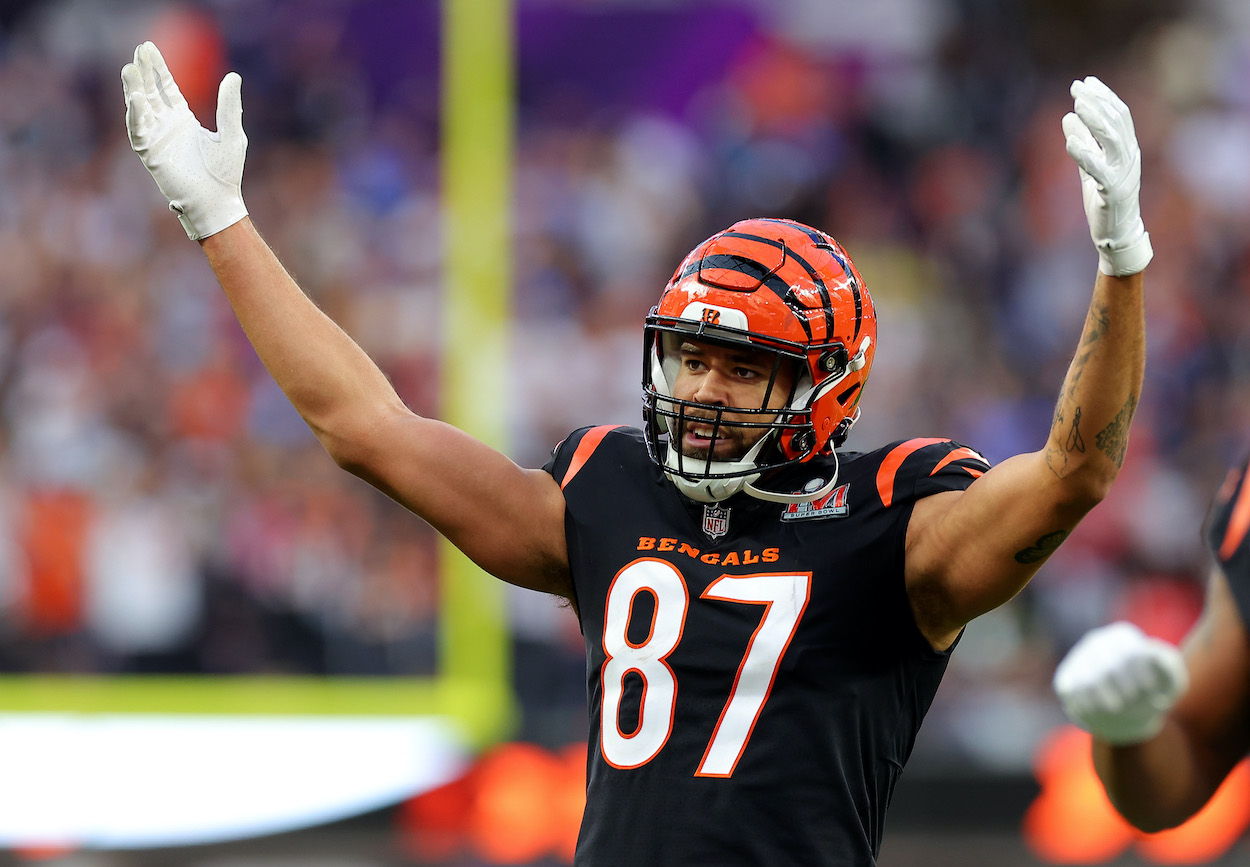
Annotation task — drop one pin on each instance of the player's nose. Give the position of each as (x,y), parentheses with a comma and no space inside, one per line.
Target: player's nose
(712,388)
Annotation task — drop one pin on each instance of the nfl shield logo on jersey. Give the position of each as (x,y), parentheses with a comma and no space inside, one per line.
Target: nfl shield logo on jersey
(715,521)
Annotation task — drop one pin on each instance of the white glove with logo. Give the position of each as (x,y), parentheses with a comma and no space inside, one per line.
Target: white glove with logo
(1118,684)
(200,172)
(1102,141)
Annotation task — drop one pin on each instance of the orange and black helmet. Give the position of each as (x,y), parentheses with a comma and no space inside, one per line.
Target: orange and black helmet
(768,284)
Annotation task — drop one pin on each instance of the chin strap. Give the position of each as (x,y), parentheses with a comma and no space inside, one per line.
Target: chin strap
(798,497)
(715,490)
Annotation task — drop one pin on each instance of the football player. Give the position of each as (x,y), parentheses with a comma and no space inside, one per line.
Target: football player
(1169,727)
(766,618)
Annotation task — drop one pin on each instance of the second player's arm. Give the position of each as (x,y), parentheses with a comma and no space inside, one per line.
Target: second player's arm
(971,551)
(1161,782)
(507,519)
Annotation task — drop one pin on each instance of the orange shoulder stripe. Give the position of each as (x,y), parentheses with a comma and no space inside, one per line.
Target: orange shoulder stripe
(889,467)
(958,455)
(585,449)
(1238,522)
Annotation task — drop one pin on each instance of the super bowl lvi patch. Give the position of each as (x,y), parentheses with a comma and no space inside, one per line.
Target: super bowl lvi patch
(833,505)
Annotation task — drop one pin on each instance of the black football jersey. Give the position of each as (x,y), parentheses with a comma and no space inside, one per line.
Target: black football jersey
(755,677)
(1227,537)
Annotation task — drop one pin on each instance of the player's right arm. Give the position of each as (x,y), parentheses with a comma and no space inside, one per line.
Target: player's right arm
(1162,749)
(509,520)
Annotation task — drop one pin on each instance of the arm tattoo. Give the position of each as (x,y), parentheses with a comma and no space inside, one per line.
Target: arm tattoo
(1101,321)
(1057,458)
(1097,324)
(1076,442)
(1113,439)
(1057,461)
(1042,548)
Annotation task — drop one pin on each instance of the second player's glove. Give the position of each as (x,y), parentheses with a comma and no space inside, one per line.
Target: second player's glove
(1102,141)
(200,172)
(1118,684)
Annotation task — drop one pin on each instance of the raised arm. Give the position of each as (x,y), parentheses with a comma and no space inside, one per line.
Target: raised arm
(1162,749)
(507,519)
(970,551)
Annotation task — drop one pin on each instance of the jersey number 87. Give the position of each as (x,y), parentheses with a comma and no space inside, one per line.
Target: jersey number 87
(784,597)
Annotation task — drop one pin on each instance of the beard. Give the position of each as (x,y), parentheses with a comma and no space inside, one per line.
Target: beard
(731,443)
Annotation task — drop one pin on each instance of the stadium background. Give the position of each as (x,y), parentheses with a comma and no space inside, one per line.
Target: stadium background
(164,511)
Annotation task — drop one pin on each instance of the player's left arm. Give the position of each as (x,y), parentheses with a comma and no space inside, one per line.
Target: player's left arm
(970,551)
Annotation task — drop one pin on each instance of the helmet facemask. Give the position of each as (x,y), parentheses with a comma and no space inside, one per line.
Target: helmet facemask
(707,477)
(788,436)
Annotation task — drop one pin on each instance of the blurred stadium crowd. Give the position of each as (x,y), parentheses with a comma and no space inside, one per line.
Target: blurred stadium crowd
(163,509)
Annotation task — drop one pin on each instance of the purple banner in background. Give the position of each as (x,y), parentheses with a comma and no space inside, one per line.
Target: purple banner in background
(393,42)
(585,58)
(628,58)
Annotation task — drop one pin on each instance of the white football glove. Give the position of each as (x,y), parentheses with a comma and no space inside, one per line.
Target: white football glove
(1102,141)
(1118,684)
(200,172)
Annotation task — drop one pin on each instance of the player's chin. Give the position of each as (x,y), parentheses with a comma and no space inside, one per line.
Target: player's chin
(723,451)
